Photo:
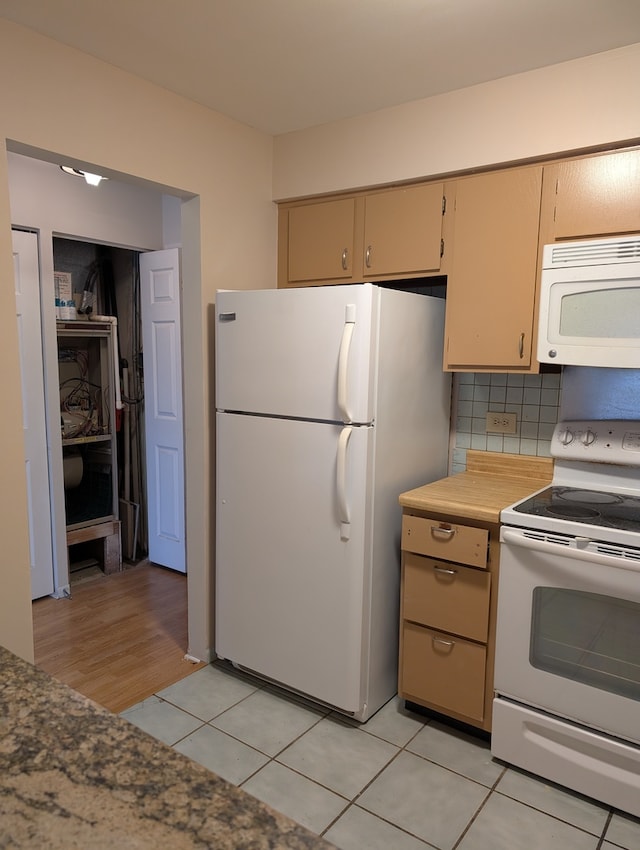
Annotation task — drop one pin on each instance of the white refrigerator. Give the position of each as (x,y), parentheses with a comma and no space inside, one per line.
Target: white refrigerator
(330,402)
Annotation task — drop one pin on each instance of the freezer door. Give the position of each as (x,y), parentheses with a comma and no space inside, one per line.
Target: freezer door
(300,353)
(291,574)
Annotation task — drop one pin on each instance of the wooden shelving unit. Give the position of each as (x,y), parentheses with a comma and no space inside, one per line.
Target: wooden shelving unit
(88,426)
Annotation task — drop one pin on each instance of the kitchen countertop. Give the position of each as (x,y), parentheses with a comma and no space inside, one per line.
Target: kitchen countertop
(74,776)
(492,481)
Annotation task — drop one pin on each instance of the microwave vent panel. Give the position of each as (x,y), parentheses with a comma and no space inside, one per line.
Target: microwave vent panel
(592,252)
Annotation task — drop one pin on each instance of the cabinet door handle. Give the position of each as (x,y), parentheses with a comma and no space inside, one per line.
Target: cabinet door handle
(446,572)
(442,531)
(345,256)
(521,346)
(442,642)
(367,257)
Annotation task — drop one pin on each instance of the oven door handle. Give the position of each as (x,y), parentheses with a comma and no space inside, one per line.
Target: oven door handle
(577,554)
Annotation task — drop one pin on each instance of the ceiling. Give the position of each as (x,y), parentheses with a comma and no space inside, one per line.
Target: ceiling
(282,65)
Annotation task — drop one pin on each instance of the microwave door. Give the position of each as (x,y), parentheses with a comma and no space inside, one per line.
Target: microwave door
(589,317)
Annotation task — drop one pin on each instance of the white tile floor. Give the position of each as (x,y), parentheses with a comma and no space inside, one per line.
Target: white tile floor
(398,782)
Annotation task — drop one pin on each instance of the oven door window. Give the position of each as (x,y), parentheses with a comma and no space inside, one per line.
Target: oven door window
(588,638)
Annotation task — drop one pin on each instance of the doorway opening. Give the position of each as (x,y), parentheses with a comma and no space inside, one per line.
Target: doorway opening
(102,478)
(42,207)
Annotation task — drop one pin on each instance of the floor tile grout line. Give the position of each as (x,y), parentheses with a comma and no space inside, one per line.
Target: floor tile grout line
(191,714)
(184,737)
(403,748)
(353,801)
(263,686)
(210,723)
(473,818)
(450,770)
(310,779)
(354,804)
(274,758)
(350,801)
(543,812)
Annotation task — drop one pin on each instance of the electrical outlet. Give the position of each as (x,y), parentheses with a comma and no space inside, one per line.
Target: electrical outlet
(501,423)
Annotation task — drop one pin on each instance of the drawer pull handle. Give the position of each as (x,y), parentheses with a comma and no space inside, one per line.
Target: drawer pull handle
(443,570)
(447,643)
(442,531)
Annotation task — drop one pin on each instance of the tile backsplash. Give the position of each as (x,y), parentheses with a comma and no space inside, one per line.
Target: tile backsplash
(534,399)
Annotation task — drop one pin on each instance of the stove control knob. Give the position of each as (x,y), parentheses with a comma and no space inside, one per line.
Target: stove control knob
(588,437)
(565,436)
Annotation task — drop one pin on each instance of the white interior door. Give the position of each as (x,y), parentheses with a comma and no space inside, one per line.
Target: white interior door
(27,285)
(164,432)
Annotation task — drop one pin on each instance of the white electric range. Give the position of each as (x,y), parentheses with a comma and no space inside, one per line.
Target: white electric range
(567,670)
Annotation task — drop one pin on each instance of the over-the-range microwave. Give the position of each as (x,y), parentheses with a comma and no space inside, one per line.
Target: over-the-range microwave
(590,303)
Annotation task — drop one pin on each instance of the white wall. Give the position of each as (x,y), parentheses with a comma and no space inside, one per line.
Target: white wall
(115,213)
(61,104)
(583,103)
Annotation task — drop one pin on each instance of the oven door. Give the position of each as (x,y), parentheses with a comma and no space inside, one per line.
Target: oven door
(568,631)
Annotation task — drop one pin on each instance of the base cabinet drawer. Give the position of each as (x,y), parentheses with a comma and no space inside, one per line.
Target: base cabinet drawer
(446,596)
(446,540)
(445,671)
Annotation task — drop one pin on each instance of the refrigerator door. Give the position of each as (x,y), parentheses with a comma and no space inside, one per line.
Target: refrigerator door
(291,566)
(297,352)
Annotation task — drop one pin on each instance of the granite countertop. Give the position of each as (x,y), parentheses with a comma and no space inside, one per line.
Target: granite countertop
(492,481)
(73,776)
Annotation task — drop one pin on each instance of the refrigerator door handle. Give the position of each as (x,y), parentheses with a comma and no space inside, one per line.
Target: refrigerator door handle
(343,361)
(343,507)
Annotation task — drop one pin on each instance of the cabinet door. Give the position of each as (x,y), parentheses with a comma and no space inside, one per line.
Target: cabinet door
(491,287)
(320,241)
(596,196)
(403,231)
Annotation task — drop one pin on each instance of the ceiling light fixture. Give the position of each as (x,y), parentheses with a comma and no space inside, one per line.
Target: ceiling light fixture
(92,179)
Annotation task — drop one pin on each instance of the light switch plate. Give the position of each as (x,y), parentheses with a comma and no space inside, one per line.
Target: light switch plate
(501,423)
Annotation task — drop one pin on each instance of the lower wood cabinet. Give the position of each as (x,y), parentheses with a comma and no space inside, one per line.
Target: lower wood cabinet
(447,615)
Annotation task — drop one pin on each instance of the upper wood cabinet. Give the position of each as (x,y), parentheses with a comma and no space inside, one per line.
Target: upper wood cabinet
(492,278)
(385,235)
(485,237)
(403,231)
(593,196)
(320,241)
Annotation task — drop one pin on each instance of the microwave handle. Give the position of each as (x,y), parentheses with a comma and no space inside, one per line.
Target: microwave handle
(576,554)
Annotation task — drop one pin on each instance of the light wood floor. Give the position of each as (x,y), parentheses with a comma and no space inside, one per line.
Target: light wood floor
(119,638)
